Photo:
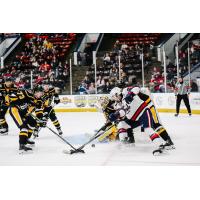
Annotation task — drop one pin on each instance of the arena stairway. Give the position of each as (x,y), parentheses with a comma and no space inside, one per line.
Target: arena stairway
(18,49)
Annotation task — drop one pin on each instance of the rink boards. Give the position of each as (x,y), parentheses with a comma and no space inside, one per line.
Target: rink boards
(164,102)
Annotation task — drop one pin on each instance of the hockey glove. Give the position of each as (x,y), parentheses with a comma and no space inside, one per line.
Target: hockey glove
(42,123)
(56,101)
(114,116)
(129,98)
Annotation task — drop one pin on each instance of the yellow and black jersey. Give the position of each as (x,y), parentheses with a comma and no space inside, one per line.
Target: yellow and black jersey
(109,109)
(6,92)
(49,96)
(39,107)
(22,99)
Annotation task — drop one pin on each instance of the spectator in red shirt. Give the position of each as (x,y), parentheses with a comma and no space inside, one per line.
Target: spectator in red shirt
(46,67)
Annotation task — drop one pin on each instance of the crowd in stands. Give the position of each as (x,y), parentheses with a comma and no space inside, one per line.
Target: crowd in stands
(157,81)
(45,56)
(109,74)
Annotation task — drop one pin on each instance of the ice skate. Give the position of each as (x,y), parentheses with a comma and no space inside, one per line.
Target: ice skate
(30,142)
(3,131)
(169,145)
(60,131)
(24,149)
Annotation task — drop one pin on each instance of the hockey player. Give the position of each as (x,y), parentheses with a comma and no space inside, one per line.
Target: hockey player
(107,106)
(39,94)
(6,88)
(50,96)
(125,135)
(137,110)
(157,125)
(20,103)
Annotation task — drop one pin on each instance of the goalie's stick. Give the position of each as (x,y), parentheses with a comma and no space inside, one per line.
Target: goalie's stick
(95,136)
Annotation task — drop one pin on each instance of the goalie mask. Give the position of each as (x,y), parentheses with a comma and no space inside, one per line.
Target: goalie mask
(104,101)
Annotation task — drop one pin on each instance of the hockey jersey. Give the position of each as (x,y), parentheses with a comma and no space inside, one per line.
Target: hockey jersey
(49,96)
(7,94)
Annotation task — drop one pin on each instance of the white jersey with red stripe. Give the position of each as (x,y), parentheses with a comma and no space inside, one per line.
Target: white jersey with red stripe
(136,108)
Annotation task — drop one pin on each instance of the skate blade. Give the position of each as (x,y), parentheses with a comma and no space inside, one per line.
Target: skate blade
(160,152)
(22,152)
(30,145)
(3,134)
(170,148)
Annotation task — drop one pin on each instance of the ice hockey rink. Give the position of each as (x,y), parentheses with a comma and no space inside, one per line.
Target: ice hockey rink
(48,150)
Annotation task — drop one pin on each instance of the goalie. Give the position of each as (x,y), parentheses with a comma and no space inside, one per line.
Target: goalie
(107,107)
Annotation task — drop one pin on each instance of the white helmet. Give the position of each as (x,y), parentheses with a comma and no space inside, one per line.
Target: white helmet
(135,90)
(125,91)
(115,93)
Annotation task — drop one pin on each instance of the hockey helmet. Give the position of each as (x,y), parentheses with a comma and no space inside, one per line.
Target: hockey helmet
(116,94)
(104,101)
(135,90)
(8,78)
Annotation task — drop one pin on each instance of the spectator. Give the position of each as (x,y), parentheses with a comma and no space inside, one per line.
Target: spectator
(114,73)
(124,46)
(106,59)
(107,87)
(168,61)
(82,89)
(100,81)
(91,89)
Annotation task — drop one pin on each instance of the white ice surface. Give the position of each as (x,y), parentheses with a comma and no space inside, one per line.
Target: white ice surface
(184,131)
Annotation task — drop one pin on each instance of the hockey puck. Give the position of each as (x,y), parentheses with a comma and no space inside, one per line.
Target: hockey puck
(93,145)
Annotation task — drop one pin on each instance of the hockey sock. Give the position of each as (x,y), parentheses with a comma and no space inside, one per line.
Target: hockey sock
(163,134)
(23,136)
(56,124)
(30,132)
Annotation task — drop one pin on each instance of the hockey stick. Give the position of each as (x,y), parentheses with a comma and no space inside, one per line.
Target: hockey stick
(74,149)
(95,136)
(46,121)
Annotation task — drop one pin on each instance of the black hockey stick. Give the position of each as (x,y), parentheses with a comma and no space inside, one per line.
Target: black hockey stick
(74,149)
(95,136)
(46,121)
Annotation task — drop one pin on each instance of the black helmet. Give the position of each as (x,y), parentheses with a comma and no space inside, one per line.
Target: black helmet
(8,78)
(37,88)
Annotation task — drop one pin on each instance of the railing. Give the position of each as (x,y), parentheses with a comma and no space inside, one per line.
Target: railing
(169,47)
